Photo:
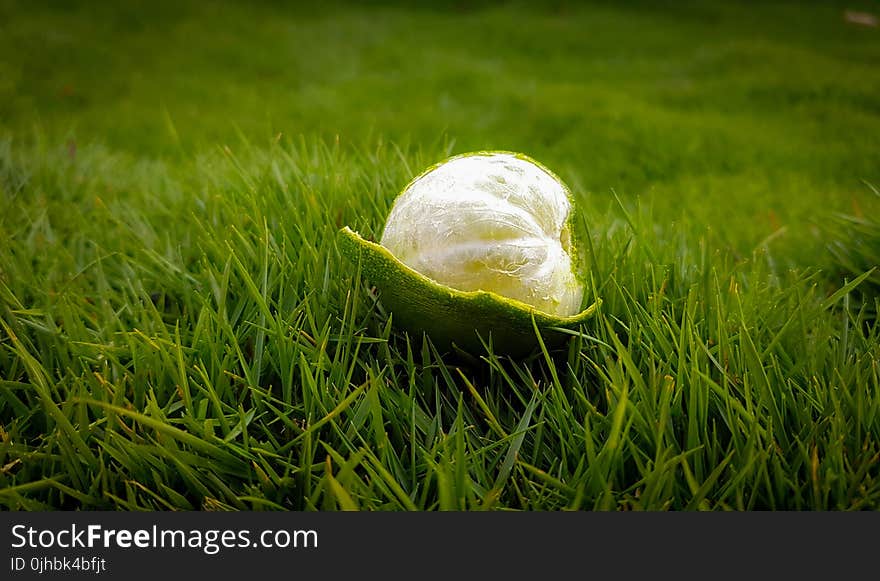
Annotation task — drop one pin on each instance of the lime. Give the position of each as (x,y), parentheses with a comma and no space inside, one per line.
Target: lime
(478,245)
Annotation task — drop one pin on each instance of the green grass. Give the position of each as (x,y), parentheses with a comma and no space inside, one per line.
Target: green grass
(179,330)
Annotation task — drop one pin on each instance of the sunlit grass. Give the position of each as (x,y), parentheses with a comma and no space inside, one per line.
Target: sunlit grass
(203,344)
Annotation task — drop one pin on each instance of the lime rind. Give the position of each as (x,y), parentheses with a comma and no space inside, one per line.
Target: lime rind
(452,317)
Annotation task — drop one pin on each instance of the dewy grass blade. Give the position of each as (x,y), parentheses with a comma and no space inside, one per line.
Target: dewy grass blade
(847,288)
(342,497)
(40,380)
(516,443)
(176,433)
(343,405)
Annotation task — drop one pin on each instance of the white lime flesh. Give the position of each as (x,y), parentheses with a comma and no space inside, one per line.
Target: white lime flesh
(490,221)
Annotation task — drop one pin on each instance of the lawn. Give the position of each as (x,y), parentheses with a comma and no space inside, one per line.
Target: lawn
(180,330)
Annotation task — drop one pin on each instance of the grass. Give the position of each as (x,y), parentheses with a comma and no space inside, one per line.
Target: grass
(179,330)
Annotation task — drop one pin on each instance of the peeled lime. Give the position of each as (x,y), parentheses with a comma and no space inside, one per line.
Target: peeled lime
(478,244)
